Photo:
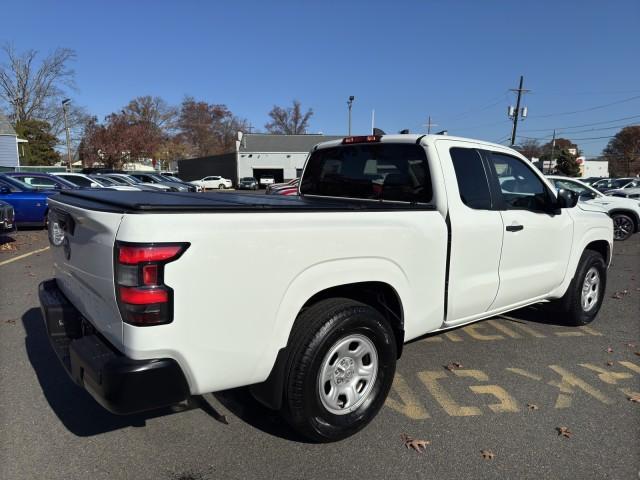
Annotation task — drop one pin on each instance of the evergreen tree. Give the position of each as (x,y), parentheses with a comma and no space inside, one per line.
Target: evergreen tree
(40,149)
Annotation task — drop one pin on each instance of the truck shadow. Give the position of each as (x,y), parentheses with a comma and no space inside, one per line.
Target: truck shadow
(84,417)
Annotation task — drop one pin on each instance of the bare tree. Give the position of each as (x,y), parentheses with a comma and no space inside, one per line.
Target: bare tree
(154,111)
(530,148)
(32,91)
(288,121)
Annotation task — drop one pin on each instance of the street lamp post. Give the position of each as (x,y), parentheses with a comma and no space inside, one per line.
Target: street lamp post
(66,128)
(350,103)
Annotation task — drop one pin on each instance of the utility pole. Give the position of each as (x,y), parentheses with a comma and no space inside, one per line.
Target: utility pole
(66,127)
(514,114)
(350,104)
(429,124)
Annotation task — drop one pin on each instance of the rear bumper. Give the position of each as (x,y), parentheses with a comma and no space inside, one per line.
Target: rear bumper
(118,383)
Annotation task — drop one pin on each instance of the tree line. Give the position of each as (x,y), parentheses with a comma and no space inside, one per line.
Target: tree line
(31,95)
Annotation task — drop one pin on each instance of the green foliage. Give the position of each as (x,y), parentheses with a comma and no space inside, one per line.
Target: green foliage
(41,147)
(566,164)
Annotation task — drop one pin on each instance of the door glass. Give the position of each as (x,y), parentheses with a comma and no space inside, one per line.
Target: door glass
(521,188)
(472,179)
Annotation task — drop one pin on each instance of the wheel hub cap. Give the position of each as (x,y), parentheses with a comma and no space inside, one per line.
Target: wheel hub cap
(590,289)
(347,374)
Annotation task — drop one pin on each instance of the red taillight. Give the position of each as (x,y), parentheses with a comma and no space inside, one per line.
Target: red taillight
(361,139)
(132,254)
(143,298)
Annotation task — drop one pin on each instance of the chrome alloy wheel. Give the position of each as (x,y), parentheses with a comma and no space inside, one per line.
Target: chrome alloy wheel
(348,373)
(590,289)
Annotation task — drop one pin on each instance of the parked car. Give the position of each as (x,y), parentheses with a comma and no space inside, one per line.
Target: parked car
(213,182)
(367,264)
(158,181)
(613,183)
(625,212)
(88,181)
(43,181)
(7,218)
(124,179)
(173,179)
(29,205)
(623,183)
(247,183)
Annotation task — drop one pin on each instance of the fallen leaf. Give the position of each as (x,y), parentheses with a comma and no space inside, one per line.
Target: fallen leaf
(453,366)
(610,364)
(617,296)
(487,454)
(564,431)
(532,406)
(410,443)
(635,398)
(637,353)
(10,321)
(32,274)
(609,350)
(631,345)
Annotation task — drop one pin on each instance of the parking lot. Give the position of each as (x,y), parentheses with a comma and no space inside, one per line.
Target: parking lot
(500,389)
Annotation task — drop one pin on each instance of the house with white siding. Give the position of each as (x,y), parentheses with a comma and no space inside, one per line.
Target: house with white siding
(8,144)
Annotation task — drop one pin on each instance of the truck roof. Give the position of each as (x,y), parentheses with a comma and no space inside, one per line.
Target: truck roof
(414,138)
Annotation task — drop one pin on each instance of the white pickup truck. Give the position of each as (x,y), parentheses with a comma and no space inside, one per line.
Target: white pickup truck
(392,237)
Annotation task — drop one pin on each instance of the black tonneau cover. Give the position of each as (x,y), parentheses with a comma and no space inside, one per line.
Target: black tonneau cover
(150,202)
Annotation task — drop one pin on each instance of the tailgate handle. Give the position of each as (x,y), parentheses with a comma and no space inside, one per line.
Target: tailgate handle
(515,228)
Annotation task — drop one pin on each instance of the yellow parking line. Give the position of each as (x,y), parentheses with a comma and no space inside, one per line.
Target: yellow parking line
(19,257)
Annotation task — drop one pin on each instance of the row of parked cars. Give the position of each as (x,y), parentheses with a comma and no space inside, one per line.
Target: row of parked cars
(27,192)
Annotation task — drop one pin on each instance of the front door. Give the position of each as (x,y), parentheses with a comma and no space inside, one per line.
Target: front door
(537,240)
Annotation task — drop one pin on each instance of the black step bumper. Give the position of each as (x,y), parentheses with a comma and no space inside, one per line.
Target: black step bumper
(118,383)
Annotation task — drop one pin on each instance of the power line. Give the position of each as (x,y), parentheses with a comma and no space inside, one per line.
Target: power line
(589,129)
(585,124)
(587,109)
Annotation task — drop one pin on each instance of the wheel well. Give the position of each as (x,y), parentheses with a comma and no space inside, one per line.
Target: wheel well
(378,295)
(629,213)
(602,247)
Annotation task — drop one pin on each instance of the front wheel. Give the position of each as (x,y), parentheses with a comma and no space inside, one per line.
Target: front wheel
(340,368)
(583,299)
(623,226)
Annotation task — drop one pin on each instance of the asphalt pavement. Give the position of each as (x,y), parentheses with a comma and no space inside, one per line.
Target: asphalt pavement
(503,386)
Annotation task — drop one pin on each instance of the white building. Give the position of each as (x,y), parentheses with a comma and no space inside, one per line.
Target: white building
(256,155)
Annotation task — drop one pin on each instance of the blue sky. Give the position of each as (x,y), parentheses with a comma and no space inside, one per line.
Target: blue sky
(453,60)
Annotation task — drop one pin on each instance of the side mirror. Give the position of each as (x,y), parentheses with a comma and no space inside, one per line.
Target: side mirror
(4,190)
(588,195)
(566,198)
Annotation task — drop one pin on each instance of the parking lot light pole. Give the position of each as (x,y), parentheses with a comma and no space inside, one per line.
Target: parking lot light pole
(350,103)
(66,128)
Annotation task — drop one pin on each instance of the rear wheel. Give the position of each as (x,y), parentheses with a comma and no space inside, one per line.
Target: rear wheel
(583,299)
(623,226)
(339,371)
(221,186)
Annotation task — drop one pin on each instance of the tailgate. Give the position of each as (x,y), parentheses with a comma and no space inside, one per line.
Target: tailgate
(83,263)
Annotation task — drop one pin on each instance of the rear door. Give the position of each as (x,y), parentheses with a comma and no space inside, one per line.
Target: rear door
(537,240)
(476,232)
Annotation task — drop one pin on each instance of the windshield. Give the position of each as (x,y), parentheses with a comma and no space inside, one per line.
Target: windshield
(157,178)
(133,180)
(16,184)
(118,180)
(104,181)
(247,179)
(620,182)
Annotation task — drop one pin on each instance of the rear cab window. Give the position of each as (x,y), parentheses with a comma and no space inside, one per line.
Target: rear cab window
(396,172)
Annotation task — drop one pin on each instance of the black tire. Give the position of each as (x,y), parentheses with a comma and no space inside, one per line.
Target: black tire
(623,226)
(221,187)
(318,329)
(570,306)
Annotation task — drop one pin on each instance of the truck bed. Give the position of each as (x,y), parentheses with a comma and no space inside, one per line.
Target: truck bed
(151,202)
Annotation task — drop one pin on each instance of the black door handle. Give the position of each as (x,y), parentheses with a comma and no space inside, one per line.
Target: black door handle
(514,228)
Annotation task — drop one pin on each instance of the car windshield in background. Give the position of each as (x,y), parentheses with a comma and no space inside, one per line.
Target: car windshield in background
(17,183)
(620,182)
(105,182)
(247,179)
(118,180)
(395,172)
(130,180)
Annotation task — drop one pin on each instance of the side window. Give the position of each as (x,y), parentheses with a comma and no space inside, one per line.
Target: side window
(521,188)
(472,178)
